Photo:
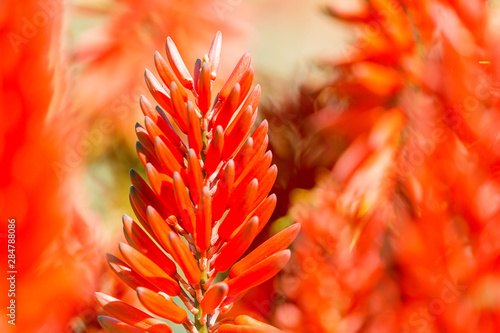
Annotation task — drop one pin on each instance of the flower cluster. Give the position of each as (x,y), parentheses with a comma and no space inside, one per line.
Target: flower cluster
(206,202)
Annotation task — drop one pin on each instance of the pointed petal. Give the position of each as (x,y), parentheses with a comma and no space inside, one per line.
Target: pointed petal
(194,129)
(166,158)
(167,75)
(161,96)
(259,273)
(127,274)
(225,113)
(163,187)
(239,210)
(143,188)
(214,151)
(246,83)
(204,89)
(203,233)
(224,186)
(277,243)
(235,135)
(155,132)
(142,242)
(265,210)
(196,75)
(149,270)
(178,65)
(130,315)
(237,246)
(161,305)
(184,258)
(184,203)
(214,297)
(115,326)
(235,76)
(214,55)
(178,107)
(266,184)
(195,176)
(256,168)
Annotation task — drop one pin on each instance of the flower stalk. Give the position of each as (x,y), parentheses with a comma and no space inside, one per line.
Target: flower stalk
(207,198)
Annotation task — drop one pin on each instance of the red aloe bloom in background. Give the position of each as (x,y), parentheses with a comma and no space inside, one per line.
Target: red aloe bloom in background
(205,204)
(402,233)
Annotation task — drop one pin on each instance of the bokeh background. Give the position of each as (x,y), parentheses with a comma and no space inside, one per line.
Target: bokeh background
(384,124)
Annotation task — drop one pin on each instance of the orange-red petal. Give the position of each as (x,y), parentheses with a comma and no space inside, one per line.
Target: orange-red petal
(214,297)
(203,233)
(259,273)
(149,270)
(277,243)
(237,246)
(161,305)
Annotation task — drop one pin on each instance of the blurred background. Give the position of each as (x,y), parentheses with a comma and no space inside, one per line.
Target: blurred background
(384,124)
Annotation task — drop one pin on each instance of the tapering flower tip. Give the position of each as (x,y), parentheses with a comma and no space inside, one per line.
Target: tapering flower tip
(127,274)
(238,211)
(147,108)
(166,74)
(265,210)
(226,112)
(196,75)
(184,204)
(277,243)
(141,153)
(253,99)
(163,187)
(243,157)
(203,233)
(178,65)
(237,246)
(178,107)
(143,243)
(259,273)
(161,305)
(160,228)
(162,122)
(214,55)
(204,88)
(155,132)
(144,137)
(235,76)
(195,176)
(138,205)
(130,315)
(224,186)
(246,83)
(194,129)
(235,136)
(115,326)
(149,270)
(214,297)
(266,183)
(157,91)
(184,258)
(166,158)
(257,168)
(214,151)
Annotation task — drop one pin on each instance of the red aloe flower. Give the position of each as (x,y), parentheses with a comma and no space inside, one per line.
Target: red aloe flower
(207,202)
